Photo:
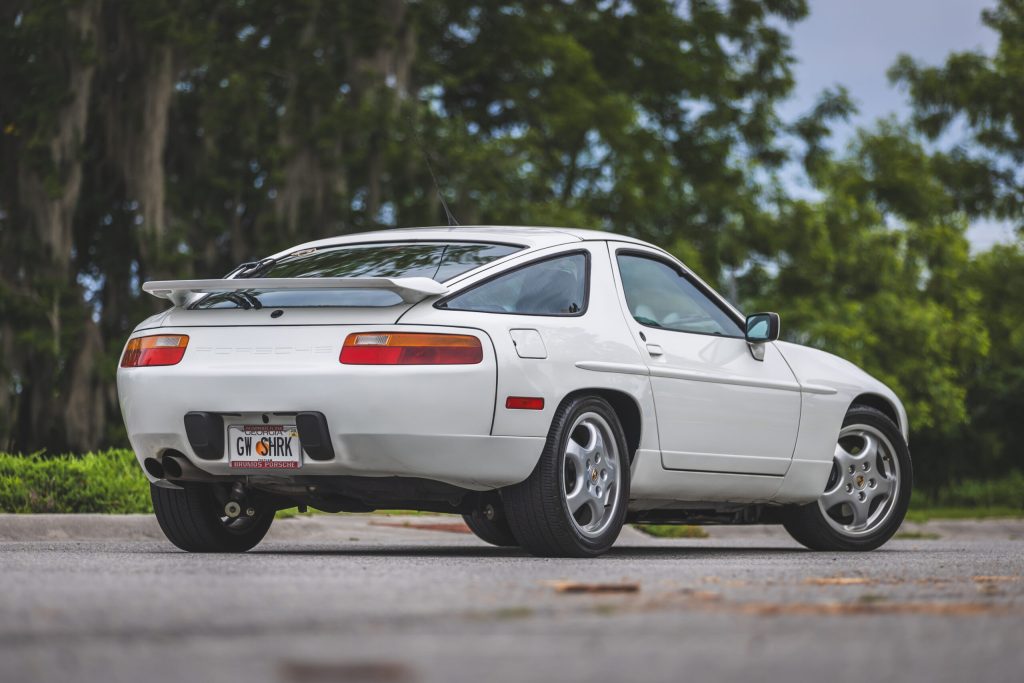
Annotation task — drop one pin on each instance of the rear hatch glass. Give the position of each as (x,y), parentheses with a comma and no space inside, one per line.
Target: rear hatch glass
(440,261)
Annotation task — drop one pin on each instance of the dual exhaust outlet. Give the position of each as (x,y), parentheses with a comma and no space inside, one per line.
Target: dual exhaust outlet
(174,468)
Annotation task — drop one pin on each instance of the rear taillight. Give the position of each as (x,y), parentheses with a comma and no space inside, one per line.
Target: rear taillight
(158,349)
(410,348)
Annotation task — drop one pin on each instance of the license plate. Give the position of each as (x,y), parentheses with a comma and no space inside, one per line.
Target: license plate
(264,447)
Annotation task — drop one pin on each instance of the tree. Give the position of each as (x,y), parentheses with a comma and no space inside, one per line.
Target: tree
(996,389)
(872,271)
(984,95)
(972,107)
(166,139)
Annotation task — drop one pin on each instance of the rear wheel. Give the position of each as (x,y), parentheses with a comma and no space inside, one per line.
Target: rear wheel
(193,518)
(489,523)
(574,502)
(868,490)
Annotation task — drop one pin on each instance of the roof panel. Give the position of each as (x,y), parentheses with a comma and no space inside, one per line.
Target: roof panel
(529,237)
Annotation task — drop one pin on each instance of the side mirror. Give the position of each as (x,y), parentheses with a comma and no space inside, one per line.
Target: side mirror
(762,327)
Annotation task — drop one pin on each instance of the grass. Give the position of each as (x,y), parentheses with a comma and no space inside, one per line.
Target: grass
(672,530)
(917,536)
(294,512)
(971,499)
(924,514)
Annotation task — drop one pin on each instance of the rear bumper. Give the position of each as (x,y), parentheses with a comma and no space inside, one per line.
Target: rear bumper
(478,463)
(431,422)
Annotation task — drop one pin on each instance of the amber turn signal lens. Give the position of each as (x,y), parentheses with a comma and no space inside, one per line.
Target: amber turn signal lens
(158,349)
(410,348)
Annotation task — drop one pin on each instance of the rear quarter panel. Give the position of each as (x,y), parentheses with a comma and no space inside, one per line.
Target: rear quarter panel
(572,343)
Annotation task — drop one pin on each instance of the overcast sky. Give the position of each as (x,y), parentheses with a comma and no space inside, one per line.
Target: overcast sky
(854,42)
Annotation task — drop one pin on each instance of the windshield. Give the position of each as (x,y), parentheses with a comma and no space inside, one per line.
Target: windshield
(440,261)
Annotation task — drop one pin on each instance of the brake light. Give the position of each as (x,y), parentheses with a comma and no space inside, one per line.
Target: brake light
(410,348)
(158,349)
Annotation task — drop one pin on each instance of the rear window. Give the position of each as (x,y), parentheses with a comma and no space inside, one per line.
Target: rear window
(440,261)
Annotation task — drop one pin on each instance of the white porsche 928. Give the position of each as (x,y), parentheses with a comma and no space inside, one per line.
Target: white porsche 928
(549,385)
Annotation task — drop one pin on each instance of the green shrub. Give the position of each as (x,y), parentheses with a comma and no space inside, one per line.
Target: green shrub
(107,482)
(1004,493)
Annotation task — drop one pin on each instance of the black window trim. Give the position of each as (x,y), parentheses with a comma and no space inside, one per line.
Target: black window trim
(709,293)
(443,303)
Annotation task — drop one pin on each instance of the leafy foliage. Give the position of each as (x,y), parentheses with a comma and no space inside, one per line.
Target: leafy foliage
(986,96)
(872,272)
(160,139)
(105,482)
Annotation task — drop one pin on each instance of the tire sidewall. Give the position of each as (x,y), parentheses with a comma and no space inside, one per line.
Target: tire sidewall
(240,540)
(189,518)
(572,410)
(873,418)
(494,531)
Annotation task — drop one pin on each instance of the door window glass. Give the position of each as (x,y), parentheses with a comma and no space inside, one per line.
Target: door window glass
(658,295)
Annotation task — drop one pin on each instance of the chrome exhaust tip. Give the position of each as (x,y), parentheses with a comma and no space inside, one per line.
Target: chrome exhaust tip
(154,468)
(172,467)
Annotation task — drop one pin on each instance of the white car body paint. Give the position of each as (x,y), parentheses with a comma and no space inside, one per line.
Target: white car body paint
(716,425)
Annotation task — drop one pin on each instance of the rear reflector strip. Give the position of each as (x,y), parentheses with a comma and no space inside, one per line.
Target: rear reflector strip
(524,403)
(158,349)
(410,348)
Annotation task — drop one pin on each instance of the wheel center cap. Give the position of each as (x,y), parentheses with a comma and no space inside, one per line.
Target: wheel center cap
(593,476)
(859,481)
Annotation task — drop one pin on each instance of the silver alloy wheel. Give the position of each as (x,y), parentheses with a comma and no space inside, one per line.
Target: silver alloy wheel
(864,484)
(591,476)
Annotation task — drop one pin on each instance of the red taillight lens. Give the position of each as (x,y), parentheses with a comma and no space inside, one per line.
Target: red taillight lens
(524,403)
(159,349)
(410,348)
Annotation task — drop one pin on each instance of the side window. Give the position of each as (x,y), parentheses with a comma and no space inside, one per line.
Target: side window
(555,286)
(660,296)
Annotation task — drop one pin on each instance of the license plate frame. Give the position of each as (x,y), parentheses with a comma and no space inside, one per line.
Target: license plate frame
(264,447)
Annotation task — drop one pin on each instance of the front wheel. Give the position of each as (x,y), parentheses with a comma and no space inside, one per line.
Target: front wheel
(574,502)
(192,517)
(868,490)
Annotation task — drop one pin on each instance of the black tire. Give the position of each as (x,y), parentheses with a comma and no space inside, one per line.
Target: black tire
(191,519)
(537,512)
(808,524)
(489,523)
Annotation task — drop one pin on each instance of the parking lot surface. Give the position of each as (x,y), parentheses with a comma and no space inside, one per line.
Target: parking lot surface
(393,599)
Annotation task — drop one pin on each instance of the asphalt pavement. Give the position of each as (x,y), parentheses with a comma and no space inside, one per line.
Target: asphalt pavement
(374,599)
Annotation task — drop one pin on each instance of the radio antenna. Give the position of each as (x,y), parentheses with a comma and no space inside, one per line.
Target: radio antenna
(452,221)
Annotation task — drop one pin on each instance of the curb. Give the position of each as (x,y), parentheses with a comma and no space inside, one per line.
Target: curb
(93,527)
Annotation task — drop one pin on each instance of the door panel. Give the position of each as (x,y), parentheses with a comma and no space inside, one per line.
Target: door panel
(719,409)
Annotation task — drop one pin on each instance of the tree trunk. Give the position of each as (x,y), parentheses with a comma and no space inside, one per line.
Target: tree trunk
(48,198)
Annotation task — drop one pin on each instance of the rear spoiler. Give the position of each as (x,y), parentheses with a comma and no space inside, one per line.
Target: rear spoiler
(180,292)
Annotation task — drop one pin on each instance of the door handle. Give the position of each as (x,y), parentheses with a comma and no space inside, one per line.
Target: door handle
(655,350)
